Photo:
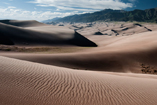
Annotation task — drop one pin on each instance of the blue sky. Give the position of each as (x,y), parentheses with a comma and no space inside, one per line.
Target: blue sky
(48,9)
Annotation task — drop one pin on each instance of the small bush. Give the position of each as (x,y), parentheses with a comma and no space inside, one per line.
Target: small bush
(147,69)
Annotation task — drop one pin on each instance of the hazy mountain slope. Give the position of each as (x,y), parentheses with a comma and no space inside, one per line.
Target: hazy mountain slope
(149,15)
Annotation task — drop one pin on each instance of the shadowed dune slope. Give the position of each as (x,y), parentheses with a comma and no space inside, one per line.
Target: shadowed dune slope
(118,54)
(27,83)
(21,36)
(22,23)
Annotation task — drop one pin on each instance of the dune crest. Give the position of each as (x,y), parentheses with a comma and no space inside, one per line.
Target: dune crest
(25,36)
(23,23)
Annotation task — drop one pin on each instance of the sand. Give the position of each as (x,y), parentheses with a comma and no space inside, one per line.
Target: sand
(23,23)
(117,54)
(27,83)
(109,73)
(19,35)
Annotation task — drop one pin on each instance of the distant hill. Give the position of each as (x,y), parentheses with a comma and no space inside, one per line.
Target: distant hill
(148,15)
(50,20)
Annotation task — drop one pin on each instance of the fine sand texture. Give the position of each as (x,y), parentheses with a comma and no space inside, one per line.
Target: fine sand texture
(27,83)
(95,63)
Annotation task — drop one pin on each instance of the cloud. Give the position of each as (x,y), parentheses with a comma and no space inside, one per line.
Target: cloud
(83,5)
(11,7)
(15,13)
(61,8)
(6,3)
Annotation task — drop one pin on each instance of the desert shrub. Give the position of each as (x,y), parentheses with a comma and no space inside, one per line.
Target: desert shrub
(147,69)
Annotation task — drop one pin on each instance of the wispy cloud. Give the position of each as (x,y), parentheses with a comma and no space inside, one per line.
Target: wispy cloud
(6,3)
(83,5)
(11,7)
(15,13)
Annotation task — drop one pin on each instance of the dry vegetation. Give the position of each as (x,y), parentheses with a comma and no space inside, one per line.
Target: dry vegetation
(147,69)
(41,49)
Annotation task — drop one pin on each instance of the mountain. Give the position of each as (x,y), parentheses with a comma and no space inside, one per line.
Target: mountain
(148,15)
(50,21)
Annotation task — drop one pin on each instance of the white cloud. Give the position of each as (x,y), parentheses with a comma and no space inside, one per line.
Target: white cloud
(75,6)
(15,13)
(11,7)
(83,5)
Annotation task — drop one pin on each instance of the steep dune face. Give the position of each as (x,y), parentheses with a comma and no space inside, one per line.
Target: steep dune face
(5,40)
(80,40)
(21,36)
(27,83)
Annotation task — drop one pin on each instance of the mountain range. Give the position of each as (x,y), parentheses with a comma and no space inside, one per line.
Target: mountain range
(148,15)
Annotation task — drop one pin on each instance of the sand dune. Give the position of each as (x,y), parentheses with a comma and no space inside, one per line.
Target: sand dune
(112,29)
(131,29)
(83,77)
(23,23)
(21,36)
(117,54)
(27,83)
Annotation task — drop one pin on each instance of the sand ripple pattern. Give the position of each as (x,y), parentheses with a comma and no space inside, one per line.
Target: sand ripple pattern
(27,83)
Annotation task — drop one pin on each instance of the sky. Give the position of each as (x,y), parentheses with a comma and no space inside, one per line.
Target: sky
(48,9)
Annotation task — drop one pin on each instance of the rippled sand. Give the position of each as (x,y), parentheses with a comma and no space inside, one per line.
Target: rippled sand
(27,83)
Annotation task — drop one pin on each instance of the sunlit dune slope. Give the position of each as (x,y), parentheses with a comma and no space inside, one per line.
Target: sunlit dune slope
(113,29)
(27,83)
